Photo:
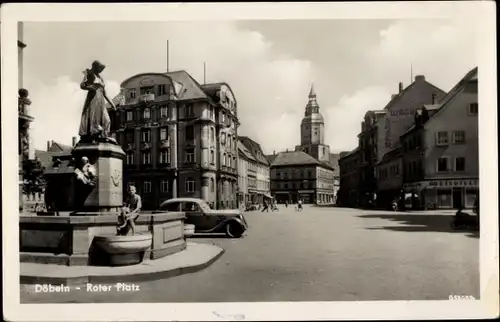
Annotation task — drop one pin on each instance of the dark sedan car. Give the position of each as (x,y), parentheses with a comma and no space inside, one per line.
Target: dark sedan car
(207,220)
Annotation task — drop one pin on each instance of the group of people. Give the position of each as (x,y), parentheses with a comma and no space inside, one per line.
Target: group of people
(270,203)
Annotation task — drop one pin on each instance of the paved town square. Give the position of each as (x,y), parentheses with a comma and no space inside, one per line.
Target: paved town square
(320,254)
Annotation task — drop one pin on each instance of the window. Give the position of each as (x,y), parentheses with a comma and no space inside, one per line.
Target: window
(229,140)
(162,89)
(442,138)
(146,158)
(129,137)
(459,137)
(146,136)
(190,185)
(163,111)
(234,163)
(473,108)
(228,161)
(223,117)
(190,155)
(147,113)
(173,206)
(164,186)
(147,187)
(212,135)
(163,134)
(442,164)
(130,116)
(223,160)
(212,157)
(223,139)
(189,132)
(165,156)
(132,93)
(146,90)
(130,158)
(189,110)
(211,112)
(460,164)
(212,185)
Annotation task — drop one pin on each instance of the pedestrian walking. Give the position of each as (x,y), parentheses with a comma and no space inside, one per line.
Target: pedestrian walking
(299,205)
(286,203)
(266,206)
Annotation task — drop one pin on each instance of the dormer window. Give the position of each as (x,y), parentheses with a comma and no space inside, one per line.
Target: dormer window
(132,93)
(473,108)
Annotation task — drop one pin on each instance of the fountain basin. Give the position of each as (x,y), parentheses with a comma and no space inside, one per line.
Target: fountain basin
(124,250)
(188,230)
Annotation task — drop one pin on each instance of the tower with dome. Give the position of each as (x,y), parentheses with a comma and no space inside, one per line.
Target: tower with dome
(312,131)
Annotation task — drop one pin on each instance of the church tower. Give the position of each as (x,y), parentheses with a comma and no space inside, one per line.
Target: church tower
(312,131)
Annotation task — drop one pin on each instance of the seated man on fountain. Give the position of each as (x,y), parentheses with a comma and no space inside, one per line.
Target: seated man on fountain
(88,172)
(130,212)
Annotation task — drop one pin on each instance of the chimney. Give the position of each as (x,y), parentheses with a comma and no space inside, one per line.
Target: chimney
(274,152)
(433,98)
(400,87)
(48,146)
(286,150)
(419,78)
(74,141)
(393,95)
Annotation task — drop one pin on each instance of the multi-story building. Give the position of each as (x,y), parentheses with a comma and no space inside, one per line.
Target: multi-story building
(180,138)
(348,194)
(389,174)
(247,174)
(25,146)
(261,188)
(400,111)
(440,152)
(297,175)
(368,139)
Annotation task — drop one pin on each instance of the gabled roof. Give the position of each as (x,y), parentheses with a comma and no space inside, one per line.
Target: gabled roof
(391,155)
(271,157)
(346,154)
(436,109)
(245,152)
(296,158)
(59,147)
(398,96)
(191,89)
(255,149)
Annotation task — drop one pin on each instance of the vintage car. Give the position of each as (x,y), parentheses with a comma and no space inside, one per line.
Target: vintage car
(207,220)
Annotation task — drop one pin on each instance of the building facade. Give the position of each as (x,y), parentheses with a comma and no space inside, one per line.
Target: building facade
(368,143)
(389,175)
(260,189)
(180,138)
(441,157)
(348,194)
(296,175)
(247,174)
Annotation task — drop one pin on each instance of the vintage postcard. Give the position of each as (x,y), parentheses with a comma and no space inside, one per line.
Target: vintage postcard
(238,161)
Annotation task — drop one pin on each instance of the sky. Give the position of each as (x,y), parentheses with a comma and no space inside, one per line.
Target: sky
(355,66)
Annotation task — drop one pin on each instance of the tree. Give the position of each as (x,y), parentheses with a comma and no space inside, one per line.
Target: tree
(33,176)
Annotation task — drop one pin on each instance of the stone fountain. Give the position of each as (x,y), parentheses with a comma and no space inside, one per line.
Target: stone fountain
(88,185)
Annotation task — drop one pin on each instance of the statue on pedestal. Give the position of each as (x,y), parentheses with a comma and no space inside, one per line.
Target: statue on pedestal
(95,122)
(129,213)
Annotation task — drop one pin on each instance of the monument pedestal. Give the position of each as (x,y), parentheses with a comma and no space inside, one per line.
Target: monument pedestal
(105,194)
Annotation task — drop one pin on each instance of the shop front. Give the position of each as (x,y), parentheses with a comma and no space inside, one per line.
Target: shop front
(307,196)
(445,193)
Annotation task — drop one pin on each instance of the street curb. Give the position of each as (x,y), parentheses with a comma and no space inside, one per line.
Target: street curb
(141,277)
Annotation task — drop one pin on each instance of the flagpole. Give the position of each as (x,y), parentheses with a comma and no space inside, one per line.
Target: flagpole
(204,72)
(168,62)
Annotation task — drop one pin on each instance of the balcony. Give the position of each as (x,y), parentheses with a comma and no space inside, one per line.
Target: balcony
(147,98)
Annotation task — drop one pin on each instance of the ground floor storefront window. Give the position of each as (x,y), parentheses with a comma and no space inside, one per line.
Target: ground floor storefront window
(450,197)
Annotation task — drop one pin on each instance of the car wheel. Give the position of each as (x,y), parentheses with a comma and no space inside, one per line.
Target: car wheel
(234,230)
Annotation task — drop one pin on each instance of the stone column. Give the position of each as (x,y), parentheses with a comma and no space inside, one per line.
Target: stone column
(205,187)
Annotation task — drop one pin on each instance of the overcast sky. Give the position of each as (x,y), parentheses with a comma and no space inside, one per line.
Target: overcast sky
(270,65)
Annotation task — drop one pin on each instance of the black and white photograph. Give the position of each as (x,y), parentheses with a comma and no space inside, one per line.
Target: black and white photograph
(293,161)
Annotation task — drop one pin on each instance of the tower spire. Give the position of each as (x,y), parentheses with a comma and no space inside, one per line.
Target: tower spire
(312,93)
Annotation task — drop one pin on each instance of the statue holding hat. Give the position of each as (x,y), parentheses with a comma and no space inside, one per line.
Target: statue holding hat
(95,122)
